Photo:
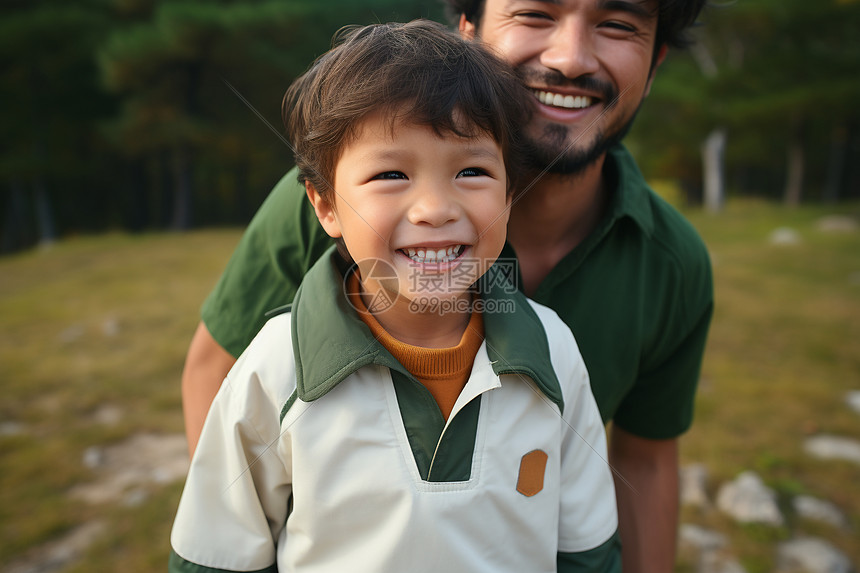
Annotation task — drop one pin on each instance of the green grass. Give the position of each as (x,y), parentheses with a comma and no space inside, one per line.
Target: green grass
(782,354)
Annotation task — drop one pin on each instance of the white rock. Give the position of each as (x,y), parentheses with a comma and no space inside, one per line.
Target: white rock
(11,429)
(714,562)
(853,400)
(748,500)
(694,479)
(784,236)
(700,538)
(833,448)
(819,510)
(837,224)
(110,327)
(811,555)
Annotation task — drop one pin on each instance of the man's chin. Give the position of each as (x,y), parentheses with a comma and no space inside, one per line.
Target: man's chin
(570,161)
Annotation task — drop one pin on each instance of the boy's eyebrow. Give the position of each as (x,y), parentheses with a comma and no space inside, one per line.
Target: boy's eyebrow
(387,153)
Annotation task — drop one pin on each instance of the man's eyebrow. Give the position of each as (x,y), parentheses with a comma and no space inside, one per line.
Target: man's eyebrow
(639,8)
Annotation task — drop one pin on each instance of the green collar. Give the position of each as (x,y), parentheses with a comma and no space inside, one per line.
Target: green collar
(331,342)
(631,194)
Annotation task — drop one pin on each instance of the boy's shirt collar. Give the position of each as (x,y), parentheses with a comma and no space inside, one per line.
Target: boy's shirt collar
(330,341)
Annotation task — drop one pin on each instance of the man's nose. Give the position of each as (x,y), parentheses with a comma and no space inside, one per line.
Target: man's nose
(570,49)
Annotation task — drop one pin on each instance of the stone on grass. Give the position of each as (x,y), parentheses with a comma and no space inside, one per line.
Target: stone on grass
(853,400)
(699,538)
(811,555)
(142,461)
(819,510)
(784,236)
(715,562)
(837,224)
(748,500)
(833,448)
(694,478)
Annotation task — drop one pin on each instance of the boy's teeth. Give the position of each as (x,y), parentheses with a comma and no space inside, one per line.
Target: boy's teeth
(434,256)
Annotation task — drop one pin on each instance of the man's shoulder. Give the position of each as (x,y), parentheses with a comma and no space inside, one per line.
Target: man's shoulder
(674,233)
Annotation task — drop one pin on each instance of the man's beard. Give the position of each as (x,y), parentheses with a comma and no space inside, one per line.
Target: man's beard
(551,151)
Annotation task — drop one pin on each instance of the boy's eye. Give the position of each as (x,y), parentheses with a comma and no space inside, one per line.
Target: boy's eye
(471,172)
(385,175)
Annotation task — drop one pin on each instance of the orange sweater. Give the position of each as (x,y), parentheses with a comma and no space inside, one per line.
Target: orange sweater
(443,371)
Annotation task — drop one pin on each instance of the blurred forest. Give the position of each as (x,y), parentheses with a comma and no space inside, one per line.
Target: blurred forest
(156,114)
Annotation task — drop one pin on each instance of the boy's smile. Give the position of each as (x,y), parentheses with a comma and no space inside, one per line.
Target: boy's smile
(434,207)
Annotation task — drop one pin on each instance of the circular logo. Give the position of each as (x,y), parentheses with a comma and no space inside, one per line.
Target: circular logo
(381,272)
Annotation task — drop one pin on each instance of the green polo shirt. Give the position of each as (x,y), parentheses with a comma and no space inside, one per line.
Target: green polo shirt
(637,294)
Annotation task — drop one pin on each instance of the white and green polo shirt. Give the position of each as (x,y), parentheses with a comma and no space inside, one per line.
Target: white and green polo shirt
(321,453)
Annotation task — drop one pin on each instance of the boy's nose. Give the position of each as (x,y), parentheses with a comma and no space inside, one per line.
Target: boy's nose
(570,50)
(434,206)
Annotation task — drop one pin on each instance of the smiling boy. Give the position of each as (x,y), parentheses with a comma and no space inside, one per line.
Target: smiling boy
(413,411)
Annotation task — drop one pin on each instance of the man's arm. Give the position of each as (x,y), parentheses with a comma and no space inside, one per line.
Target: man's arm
(206,366)
(646,487)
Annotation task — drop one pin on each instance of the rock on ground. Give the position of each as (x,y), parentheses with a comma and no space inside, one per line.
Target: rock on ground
(811,555)
(694,479)
(748,500)
(833,448)
(819,510)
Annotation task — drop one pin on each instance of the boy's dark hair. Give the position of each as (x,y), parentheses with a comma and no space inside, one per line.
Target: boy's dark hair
(421,73)
(674,18)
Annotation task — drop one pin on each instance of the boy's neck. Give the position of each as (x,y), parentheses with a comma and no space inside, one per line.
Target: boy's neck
(552,217)
(428,329)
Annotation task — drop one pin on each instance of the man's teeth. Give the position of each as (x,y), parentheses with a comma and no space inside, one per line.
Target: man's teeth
(433,255)
(567,101)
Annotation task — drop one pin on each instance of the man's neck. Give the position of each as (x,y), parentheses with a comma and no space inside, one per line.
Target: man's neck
(552,217)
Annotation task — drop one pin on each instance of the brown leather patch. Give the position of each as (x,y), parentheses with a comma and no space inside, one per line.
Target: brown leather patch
(532,468)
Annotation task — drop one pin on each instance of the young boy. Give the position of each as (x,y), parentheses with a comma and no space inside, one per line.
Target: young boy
(412,411)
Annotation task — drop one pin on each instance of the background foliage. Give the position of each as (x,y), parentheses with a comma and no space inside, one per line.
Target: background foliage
(128,114)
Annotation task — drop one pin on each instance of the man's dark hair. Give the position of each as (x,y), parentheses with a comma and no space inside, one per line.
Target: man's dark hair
(419,73)
(674,18)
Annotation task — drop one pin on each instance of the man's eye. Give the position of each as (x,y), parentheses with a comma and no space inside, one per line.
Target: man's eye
(471,172)
(621,26)
(385,175)
(532,16)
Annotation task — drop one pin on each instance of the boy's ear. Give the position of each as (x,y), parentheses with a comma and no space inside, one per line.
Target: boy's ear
(324,210)
(467,29)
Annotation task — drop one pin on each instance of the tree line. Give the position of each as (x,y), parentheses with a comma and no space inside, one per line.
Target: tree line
(154,114)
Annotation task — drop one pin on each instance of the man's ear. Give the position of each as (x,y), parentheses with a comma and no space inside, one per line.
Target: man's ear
(467,29)
(324,210)
(658,59)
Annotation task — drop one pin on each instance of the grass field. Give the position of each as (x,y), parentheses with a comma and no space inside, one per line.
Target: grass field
(104,322)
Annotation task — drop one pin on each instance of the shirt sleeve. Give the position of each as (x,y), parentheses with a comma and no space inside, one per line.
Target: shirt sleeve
(588,517)
(661,402)
(281,243)
(234,507)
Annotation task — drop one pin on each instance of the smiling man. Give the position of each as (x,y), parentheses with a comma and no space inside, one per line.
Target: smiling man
(621,267)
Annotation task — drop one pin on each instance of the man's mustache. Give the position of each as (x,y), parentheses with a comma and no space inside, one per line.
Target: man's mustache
(553,78)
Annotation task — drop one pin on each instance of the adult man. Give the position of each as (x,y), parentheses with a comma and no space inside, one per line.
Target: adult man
(621,267)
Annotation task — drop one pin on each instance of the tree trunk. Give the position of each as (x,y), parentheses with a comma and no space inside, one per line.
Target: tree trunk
(836,165)
(15,232)
(713,151)
(44,213)
(182,188)
(794,174)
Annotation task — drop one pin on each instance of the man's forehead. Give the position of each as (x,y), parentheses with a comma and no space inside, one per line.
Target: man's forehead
(643,8)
